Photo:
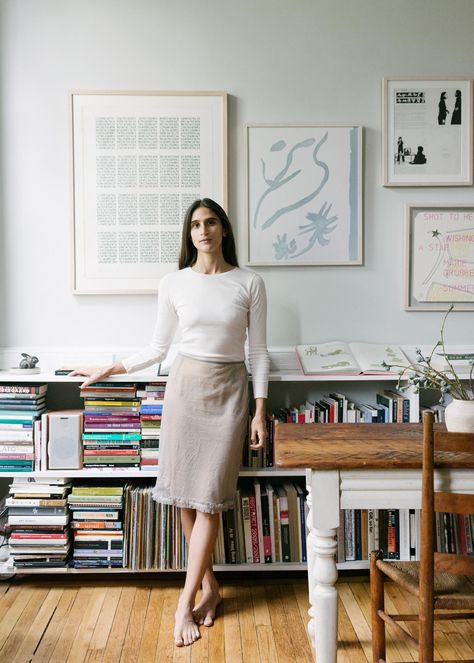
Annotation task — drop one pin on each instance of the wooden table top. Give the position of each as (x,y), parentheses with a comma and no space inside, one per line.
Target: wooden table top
(358,446)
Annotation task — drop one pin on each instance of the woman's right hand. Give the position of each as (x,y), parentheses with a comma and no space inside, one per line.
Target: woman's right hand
(97,373)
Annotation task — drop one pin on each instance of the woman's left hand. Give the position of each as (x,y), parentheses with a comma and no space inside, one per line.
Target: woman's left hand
(258,432)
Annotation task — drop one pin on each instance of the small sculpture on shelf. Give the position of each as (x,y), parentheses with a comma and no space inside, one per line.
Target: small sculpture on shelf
(27,365)
(28,361)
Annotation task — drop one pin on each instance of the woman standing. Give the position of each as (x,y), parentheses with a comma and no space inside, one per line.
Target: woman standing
(216,305)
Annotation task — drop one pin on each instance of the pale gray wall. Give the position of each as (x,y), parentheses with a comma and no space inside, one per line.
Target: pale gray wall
(280,61)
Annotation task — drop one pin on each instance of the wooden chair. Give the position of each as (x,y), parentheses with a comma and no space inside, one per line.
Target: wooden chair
(439,580)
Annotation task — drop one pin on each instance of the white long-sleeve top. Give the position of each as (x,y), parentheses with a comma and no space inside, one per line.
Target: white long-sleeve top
(215,314)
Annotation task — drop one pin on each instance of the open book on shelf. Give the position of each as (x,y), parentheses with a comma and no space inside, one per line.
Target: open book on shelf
(339,358)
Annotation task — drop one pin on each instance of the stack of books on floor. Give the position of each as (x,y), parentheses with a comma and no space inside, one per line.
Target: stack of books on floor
(38,522)
(97,525)
(151,409)
(111,435)
(21,406)
(154,537)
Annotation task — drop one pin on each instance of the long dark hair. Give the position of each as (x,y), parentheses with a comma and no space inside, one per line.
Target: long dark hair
(188,253)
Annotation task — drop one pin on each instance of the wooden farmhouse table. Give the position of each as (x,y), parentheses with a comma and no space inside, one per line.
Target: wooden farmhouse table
(355,466)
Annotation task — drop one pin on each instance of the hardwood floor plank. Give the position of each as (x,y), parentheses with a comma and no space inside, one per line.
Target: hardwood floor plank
(232,639)
(105,620)
(55,627)
(15,637)
(295,625)
(216,647)
(74,619)
(349,649)
(260,606)
(165,644)
(357,618)
(301,593)
(39,624)
(248,632)
(9,596)
(80,644)
(283,645)
(13,612)
(152,626)
(113,649)
(136,622)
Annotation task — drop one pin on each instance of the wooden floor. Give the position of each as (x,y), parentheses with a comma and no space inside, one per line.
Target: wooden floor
(129,620)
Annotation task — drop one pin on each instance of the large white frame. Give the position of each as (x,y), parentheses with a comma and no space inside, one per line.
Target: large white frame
(419,113)
(304,194)
(139,160)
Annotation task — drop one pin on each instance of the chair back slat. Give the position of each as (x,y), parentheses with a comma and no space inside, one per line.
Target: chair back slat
(454,503)
(455,564)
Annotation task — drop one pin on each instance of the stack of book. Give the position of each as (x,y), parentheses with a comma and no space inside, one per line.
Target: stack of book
(21,406)
(37,524)
(111,435)
(97,525)
(151,410)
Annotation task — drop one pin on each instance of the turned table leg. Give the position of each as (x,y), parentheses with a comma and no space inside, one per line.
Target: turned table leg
(322,570)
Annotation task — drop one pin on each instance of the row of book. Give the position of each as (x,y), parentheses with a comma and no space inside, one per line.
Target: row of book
(266,526)
(53,522)
(21,407)
(390,406)
(397,533)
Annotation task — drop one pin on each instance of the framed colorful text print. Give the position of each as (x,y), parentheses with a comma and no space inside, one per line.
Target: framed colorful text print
(439,257)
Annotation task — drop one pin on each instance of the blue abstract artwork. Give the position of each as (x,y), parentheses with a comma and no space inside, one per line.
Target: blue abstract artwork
(304,195)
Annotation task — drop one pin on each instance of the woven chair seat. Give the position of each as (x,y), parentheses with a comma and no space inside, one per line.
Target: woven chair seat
(450,591)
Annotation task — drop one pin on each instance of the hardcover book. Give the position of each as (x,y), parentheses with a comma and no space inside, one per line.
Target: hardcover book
(339,358)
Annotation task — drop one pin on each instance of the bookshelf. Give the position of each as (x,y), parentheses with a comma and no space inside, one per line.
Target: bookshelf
(288,386)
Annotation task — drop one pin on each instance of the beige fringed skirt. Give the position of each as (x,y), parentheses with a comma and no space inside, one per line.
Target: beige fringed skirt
(203,429)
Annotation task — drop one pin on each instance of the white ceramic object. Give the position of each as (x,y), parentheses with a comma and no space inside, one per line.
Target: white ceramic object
(459,416)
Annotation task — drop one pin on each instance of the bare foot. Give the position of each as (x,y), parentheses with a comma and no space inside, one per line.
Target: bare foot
(186,630)
(205,611)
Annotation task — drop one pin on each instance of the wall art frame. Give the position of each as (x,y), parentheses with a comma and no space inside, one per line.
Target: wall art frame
(439,256)
(427,132)
(304,194)
(138,160)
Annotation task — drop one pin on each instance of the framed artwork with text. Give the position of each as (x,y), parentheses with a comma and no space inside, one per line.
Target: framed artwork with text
(139,160)
(427,132)
(439,266)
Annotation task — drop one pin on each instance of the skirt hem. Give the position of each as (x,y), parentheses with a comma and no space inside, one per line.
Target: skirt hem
(184,502)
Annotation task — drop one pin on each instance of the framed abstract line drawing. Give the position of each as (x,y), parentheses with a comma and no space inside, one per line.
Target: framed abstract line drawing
(439,267)
(139,160)
(427,132)
(304,194)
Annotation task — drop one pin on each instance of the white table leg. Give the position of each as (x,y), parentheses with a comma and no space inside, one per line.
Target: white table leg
(322,570)
(324,598)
